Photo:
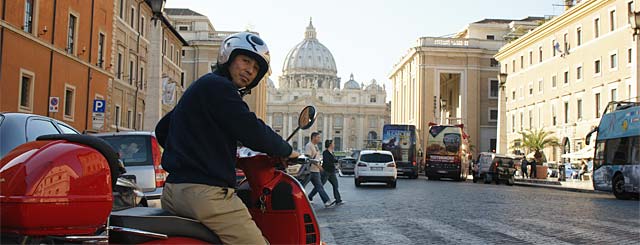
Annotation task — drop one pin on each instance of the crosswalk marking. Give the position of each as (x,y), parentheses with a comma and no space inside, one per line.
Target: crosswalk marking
(449,233)
(610,225)
(384,233)
(592,235)
(527,236)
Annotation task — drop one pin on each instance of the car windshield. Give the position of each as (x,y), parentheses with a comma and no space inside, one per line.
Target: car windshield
(134,150)
(376,157)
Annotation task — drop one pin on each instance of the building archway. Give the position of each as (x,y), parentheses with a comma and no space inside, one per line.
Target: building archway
(372,135)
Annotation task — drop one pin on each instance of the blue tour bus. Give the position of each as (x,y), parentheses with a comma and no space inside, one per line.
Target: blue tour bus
(616,162)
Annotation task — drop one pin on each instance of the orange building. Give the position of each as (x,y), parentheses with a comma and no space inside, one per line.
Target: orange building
(55,49)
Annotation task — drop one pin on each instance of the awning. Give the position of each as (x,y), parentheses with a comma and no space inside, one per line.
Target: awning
(583,153)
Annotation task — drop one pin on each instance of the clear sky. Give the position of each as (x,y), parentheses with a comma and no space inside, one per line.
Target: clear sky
(366,37)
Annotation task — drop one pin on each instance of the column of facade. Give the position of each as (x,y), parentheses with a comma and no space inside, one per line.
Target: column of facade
(153,101)
(501,145)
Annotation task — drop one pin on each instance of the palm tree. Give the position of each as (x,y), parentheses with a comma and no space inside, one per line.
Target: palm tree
(536,140)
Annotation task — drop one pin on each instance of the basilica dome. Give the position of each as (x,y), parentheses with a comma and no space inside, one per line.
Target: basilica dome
(351,84)
(309,56)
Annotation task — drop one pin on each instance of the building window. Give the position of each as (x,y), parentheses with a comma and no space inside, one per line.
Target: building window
(521,121)
(338,121)
(129,118)
(553,47)
(530,57)
(141,83)
(579,72)
(530,88)
(566,112)
(614,94)
(26,92)
(566,43)
(513,66)
(491,37)
(494,63)
(164,47)
(566,77)
(372,99)
(71,38)
(183,28)
(629,56)
(513,123)
(554,115)
(521,61)
(493,115)
(171,55)
(540,86)
(596,28)
(182,79)
(372,122)
(69,101)
(612,20)
(493,93)
(530,118)
(539,54)
(139,121)
(119,67)
(142,25)
(579,109)
(28,16)
(131,71)
(597,104)
(614,61)
(116,119)
(579,36)
(132,18)
(597,66)
(337,144)
(554,82)
(100,50)
(121,10)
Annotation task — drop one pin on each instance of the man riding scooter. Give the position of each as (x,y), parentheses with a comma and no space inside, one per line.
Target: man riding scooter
(199,138)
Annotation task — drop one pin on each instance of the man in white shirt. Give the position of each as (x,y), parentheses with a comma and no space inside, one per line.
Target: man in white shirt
(311,151)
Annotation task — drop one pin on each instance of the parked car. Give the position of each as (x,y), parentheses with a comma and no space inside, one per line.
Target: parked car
(347,165)
(141,155)
(19,128)
(376,166)
(552,169)
(492,167)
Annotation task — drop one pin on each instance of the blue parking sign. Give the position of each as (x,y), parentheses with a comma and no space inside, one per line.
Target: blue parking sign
(99,105)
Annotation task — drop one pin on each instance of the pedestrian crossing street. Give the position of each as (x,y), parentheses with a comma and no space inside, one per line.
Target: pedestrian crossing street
(460,230)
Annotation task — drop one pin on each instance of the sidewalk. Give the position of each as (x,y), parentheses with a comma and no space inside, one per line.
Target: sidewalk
(569,185)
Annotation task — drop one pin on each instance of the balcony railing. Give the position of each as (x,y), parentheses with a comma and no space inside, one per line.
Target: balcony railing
(459,43)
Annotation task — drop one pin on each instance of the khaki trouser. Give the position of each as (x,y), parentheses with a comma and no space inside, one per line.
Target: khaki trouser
(217,208)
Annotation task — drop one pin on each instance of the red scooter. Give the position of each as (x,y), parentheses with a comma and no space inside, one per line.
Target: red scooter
(58,190)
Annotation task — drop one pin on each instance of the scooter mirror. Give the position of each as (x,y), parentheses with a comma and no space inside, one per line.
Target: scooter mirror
(307,117)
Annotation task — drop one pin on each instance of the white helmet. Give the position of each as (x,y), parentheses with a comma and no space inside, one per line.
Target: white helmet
(249,44)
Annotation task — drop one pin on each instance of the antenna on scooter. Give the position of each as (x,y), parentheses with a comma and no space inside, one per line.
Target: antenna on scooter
(305,120)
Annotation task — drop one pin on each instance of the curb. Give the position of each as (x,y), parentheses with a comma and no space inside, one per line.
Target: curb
(555,187)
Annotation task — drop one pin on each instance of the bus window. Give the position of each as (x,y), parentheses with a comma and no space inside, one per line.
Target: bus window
(598,161)
(635,151)
(617,151)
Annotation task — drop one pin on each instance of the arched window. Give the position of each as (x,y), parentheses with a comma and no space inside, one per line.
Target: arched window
(372,135)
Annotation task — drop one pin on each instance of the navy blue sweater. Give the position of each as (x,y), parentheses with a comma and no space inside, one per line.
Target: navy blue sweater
(200,135)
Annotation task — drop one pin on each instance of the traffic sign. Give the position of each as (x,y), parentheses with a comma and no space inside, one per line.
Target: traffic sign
(53,104)
(97,120)
(99,105)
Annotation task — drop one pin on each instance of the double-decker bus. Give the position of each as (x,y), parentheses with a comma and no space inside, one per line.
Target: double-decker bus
(447,152)
(400,140)
(616,162)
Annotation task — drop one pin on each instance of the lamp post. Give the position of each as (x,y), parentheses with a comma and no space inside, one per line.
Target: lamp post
(501,146)
(157,6)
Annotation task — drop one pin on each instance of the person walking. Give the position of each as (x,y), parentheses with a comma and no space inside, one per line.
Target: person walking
(329,166)
(523,168)
(311,150)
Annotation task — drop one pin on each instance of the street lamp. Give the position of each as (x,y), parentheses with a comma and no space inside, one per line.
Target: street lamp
(502,79)
(157,6)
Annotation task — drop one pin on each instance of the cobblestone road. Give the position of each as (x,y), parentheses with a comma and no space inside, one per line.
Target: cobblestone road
(435,212)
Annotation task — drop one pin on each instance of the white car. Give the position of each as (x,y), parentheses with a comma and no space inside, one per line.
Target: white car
(376,166)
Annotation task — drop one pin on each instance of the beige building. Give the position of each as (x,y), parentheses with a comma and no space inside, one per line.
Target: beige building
(352,115)
(202,53)
(146,67)
(453,80)
(561,75)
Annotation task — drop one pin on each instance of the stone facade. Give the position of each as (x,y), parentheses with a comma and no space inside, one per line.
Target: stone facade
(562,74)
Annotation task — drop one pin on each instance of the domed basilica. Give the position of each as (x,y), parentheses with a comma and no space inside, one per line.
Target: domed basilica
(352,115)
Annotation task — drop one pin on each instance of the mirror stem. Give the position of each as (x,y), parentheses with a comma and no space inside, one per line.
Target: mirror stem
(292,134)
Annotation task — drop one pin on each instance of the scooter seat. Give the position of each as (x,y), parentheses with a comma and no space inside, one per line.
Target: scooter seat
(158,221)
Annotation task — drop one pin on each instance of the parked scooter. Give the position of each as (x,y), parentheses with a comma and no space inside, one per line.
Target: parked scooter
(58,189)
